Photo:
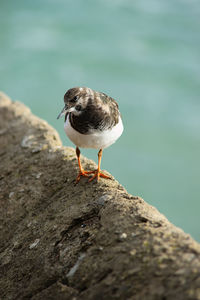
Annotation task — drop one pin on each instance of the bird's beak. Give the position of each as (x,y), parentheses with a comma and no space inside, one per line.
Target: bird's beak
(62,113)
(65,110)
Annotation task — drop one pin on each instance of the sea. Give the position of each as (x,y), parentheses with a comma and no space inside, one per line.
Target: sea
(146,55)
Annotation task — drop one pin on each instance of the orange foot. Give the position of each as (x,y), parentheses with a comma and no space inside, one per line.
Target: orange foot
(97,174)
(82,173)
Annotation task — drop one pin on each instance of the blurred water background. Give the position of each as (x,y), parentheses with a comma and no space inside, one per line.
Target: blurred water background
(145,54)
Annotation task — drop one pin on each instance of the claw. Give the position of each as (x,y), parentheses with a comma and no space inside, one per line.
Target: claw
(98,174)
(82,173)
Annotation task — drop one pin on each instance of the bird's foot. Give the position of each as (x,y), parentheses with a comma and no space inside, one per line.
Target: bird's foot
(97,174)
(82,173)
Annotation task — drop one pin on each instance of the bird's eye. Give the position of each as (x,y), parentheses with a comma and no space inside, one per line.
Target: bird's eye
(78,107)
(74,99)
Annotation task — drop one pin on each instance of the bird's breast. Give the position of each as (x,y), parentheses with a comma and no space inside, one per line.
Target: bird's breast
(94,138)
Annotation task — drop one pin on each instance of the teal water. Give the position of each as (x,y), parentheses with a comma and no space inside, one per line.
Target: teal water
(146,54)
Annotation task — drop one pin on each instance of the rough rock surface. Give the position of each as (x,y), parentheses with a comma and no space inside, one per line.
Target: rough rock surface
(88,241)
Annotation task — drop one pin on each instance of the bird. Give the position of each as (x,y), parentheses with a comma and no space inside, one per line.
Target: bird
(92,120)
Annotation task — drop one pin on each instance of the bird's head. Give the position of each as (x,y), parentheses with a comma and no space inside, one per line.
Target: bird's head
(76,100)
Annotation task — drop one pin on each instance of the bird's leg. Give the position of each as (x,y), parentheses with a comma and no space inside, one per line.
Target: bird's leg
(82,172)
(97,173)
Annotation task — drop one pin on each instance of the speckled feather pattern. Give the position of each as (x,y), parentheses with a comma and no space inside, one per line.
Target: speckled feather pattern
(93,119)
(100,111)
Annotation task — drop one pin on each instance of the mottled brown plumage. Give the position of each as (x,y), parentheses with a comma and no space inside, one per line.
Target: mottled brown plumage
(98,111)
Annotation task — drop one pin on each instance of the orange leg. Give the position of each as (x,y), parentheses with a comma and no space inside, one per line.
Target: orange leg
(97,173)
(82,172)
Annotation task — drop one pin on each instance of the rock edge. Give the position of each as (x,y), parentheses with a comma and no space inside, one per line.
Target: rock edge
(87,241)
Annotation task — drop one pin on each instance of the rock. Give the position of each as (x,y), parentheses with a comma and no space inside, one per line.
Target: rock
(93,240)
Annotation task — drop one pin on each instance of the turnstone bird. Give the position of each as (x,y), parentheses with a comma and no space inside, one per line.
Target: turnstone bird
(92,120)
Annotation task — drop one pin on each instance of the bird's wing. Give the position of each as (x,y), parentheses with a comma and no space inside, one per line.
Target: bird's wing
(111,109)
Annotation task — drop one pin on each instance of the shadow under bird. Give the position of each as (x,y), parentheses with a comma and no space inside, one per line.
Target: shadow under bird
(92,120)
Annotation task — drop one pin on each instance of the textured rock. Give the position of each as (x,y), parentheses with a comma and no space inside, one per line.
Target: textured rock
(87,241)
